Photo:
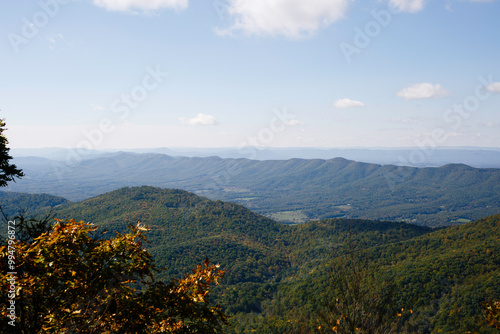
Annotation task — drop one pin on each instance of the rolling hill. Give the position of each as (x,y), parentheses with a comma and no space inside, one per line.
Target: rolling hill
(278,274)
(13,204)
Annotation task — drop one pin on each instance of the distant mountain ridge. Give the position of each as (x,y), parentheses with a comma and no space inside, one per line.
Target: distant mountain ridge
(480,157)
(294,190)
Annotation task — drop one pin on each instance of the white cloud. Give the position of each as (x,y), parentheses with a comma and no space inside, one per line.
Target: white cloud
(494,87)
(290,18)
(143,5)
(347,103)
(410,6)
(200,119)
(294,122)
(423,90)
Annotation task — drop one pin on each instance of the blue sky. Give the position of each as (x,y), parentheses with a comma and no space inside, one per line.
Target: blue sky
(227,73)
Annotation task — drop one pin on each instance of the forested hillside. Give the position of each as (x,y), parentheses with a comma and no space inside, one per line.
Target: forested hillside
(14,204)
(438,281)
(279,275)
(290,191)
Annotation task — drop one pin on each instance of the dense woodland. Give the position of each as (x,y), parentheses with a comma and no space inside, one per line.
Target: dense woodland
(281,278)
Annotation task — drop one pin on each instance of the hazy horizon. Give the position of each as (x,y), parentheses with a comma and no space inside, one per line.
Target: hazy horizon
(265,148)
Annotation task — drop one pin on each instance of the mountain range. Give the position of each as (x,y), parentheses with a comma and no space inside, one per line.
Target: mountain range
(424,156)
(290,191)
